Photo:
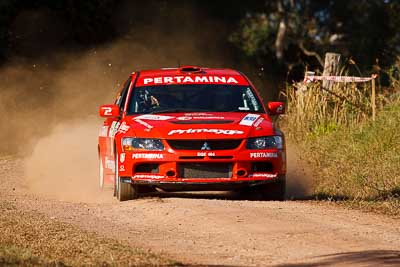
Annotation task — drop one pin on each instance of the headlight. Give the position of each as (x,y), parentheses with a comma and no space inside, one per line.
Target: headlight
(130,144)
(265,142)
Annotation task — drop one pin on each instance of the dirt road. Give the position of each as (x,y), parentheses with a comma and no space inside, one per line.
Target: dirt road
(214,229)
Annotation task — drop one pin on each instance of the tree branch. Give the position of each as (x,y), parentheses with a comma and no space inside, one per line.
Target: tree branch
(311,53)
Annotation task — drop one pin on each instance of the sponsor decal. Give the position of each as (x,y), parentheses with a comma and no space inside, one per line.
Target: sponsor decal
(153,117)
(110,164)
(204,154)
(214,131)
(249,119)
(124,128)
(252,98)
(103,131)
(145,124)
(255,155)
(121,168)
(258,122)
(147,156)
(189,79)
(198,114)
(185,118)
(122,157)
(263,175)
(149,176)
(114,128)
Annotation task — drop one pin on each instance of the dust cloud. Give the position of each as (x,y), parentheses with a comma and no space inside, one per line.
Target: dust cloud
(50,103)
(300,175)
(63,165)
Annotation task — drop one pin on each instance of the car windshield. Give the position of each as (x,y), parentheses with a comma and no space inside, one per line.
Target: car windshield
(193,98)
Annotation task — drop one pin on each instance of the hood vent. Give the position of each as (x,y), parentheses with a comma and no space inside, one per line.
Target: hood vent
(190,69)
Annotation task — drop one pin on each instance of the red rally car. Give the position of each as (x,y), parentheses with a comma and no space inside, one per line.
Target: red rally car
(191,128)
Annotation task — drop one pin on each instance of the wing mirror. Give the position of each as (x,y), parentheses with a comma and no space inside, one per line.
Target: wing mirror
(109,111)
(276,108)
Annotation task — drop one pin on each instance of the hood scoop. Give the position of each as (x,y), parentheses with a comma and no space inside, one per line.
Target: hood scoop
(186,122)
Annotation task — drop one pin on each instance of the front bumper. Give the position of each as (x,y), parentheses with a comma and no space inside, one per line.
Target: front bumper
(220,167)
(202,186)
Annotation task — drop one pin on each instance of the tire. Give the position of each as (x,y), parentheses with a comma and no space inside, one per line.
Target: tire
(272,191)
(123,191)
(126,191)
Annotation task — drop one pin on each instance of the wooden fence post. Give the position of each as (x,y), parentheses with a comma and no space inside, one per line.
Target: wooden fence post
(373,100)
(331,68)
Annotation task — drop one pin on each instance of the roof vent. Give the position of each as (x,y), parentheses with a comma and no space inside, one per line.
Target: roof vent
(190,69)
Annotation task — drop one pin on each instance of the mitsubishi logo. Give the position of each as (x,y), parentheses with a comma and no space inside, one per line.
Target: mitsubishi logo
(205,146)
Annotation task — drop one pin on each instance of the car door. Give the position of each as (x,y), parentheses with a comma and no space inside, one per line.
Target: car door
(107,134)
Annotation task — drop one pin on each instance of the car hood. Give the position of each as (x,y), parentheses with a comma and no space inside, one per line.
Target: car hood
(221,125)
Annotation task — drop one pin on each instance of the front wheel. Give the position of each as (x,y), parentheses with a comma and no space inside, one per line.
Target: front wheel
(126,191)
(123,191)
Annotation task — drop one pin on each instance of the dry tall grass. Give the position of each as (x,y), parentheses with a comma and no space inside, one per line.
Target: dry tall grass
(354,158)
(314,110)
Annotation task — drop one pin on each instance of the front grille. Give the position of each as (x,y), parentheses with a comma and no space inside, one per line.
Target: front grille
(205,170)
(201,144)
(262,167)
(147,167)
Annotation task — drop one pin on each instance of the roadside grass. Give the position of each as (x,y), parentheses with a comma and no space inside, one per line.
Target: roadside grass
(356,161)
(31,239)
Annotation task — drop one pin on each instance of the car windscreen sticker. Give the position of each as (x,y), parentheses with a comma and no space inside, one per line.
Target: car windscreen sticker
(249,119)
(189,79)
(252,98)
(214,131)
(153,117)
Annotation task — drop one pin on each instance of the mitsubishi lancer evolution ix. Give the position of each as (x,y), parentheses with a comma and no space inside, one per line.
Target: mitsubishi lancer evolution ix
(191,128)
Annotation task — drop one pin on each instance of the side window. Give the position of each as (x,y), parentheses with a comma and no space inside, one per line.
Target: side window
(122,97)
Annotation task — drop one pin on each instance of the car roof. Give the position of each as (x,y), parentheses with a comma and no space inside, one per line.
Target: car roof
(171,76)
(181,70)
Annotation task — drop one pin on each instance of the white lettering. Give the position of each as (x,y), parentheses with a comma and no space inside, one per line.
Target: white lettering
(219,79)
(258,122)
(144,176)
(214,131)
(203,154)
(188,79)
(145,124)
(178,79)
(124,128)
(168,80)
(201,79)
(263,155)
(263,175)
(147,80)
(153,117)
(147,156)
(232,80)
